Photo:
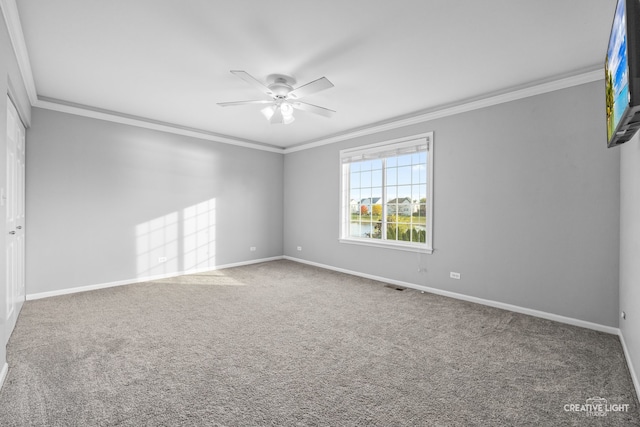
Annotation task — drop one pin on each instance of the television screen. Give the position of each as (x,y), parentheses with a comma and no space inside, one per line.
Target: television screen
(617,71)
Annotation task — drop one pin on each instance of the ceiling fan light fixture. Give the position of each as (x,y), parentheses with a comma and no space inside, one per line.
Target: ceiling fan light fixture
(268,111)
(287,113)
(287,109)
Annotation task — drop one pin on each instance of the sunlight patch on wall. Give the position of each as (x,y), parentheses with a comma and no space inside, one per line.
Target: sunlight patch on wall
(157,245)
(199,235)
(181,241)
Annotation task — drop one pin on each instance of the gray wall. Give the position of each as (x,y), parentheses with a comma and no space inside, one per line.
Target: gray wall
(106,200)
(630,247)
(10,79)
(526,205)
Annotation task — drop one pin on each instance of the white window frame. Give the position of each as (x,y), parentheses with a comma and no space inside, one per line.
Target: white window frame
(382,150)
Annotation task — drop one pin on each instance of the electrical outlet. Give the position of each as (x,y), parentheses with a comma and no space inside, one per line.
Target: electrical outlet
(299,248)
(162,259)
(252,248)
(454,275)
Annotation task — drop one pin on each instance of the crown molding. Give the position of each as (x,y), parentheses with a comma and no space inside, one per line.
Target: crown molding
(85,111)
(488,101)
(14,27)
(12,20)
(439,112)
(436,113)
(16,35)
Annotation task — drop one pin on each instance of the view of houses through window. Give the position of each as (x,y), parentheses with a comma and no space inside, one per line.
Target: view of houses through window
(387,192)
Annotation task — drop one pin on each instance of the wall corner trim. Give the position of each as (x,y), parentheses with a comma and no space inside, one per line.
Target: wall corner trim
(634,376)
(14,27)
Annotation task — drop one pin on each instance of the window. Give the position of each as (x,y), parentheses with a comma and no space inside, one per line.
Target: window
(387,194)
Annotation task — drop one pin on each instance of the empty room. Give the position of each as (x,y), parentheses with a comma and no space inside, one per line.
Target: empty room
(356,213)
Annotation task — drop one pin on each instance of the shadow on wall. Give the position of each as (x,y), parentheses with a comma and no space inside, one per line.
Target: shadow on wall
(180,241)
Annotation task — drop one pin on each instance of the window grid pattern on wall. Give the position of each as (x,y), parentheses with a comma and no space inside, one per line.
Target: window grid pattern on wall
(387,192)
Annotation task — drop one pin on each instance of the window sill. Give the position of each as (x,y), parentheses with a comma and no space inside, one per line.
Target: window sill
(387,245)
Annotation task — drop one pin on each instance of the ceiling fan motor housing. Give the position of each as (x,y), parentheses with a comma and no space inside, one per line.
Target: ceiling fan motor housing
(280,85)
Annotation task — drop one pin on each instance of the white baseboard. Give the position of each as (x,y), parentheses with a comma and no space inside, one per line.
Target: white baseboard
(632,371)
(86,288)
(3,374)
(496,304)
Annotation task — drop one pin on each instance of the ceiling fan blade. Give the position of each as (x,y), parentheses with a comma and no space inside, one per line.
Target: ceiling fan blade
(252,81)
(277,116)
(233,104)
(305,106)
(315,86)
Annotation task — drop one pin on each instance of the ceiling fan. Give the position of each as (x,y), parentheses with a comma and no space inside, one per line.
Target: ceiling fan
(284,98)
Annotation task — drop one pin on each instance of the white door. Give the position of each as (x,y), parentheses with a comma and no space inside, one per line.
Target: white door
(15,216)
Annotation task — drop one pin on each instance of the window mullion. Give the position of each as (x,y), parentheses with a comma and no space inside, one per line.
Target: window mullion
(383,220)
(346,200)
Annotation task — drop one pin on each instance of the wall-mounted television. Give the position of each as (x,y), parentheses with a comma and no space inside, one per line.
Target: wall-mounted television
(622,74)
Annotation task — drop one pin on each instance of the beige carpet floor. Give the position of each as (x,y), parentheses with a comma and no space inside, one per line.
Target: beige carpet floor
(286,344)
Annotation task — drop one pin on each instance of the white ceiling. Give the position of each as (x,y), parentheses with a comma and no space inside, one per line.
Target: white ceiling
(169,60)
